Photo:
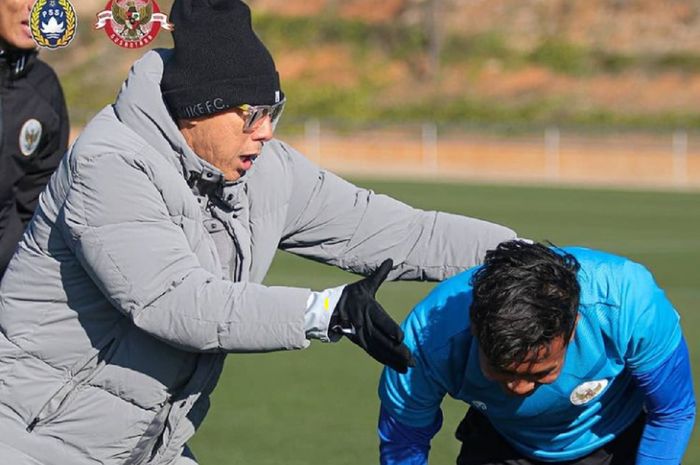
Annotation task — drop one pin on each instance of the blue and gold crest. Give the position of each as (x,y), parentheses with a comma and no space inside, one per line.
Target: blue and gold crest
(53,23)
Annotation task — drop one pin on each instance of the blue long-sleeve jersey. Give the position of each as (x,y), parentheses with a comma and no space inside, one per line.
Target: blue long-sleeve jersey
(627,337)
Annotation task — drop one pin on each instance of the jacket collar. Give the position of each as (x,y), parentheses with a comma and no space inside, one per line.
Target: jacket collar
(18,62)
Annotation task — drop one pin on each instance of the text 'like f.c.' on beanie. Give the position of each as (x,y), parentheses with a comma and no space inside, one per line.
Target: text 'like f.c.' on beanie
(218,62)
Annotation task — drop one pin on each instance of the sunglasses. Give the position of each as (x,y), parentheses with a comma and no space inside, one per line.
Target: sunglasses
(256,114)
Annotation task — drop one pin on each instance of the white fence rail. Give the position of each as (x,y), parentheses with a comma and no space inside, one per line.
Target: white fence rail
(551,155)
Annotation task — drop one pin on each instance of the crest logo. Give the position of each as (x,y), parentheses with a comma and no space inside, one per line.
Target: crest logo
(52,23)
(587,391)
(132,23)
(29,137)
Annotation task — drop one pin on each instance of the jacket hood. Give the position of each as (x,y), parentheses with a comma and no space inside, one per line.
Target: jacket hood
(140,105)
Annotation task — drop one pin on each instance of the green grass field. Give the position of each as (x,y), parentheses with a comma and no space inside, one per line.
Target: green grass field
(320,406)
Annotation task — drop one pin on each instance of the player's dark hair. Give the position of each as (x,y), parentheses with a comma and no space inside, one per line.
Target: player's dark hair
(525,296)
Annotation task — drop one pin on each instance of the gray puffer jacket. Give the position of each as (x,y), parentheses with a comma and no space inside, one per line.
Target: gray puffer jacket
(141,270)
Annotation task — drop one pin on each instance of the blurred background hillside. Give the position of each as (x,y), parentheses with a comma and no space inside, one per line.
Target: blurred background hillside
(611,63)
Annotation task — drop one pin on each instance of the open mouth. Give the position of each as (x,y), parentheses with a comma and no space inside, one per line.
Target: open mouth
(247,161)
(26,29)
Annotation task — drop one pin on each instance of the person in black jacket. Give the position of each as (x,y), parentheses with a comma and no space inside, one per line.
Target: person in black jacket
(33,125)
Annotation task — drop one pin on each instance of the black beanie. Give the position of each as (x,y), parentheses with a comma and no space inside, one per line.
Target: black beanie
(218,61)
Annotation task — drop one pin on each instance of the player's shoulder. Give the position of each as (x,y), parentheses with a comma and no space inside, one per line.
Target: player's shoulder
(598,265)
(42,81)
(442,314)
(593,258)
(42,69)
(609,279)
(42,74)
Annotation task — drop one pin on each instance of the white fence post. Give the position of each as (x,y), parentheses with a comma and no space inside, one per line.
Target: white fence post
(429,146)
(312,134)
(680,157)
(552,139)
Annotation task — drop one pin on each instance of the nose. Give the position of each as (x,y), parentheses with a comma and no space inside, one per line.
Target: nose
(520,387)
(264,132)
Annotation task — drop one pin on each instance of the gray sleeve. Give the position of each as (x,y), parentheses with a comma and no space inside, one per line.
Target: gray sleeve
(335,222)
(118,226)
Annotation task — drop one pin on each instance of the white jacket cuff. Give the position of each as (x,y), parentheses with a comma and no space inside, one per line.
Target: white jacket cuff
(319,308)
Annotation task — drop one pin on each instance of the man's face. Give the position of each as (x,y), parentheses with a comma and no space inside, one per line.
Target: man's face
(541,366)
(220,140)
(14,24)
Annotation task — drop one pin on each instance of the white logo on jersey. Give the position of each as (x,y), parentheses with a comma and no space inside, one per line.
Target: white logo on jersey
(480,405)
(587,391)
(29,136)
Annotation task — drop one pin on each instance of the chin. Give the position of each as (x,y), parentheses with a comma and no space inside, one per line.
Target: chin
(235,176)
(24,44)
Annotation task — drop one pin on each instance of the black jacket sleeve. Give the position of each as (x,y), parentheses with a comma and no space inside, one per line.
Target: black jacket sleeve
(36,177)
(36,94)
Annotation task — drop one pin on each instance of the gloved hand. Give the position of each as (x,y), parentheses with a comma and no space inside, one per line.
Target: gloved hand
(361,319)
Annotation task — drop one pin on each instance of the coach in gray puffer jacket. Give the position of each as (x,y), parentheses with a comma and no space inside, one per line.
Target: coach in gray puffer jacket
(141,270)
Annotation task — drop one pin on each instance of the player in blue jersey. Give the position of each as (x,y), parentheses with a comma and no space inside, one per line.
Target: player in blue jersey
(564,355)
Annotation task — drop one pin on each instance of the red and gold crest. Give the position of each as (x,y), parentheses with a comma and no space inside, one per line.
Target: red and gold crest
(132,23)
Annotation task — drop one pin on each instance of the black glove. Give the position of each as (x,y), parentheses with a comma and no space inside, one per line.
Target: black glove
(360,317)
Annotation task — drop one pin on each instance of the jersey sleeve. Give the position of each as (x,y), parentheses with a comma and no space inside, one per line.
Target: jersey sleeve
(438,335)
(404,445)
(670,405)
(410,403)
(413,398)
